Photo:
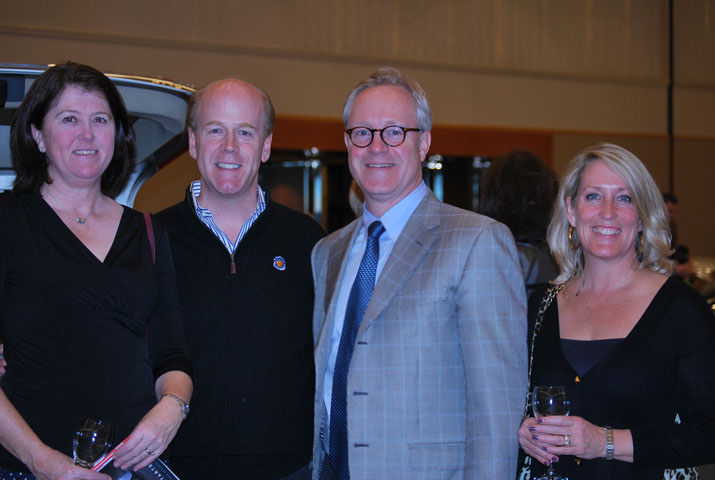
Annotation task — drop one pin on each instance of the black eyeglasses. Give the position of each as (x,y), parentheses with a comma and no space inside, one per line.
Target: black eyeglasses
(392,135)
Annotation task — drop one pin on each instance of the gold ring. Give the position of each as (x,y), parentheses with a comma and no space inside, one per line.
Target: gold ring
(567,441)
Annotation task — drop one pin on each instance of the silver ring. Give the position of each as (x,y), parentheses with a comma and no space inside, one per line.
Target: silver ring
(567,441)
(149,452)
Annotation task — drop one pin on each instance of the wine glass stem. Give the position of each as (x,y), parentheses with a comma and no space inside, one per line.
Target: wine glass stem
(551,469)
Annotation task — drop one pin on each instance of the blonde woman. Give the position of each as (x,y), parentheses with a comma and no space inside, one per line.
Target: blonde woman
(633,346)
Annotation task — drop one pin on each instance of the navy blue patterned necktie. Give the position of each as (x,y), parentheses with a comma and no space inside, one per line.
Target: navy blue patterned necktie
(360,294)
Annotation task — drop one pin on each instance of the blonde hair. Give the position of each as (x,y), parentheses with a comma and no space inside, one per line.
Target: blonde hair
(655,234)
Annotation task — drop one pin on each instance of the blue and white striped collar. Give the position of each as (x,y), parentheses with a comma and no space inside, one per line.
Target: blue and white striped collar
(206,216)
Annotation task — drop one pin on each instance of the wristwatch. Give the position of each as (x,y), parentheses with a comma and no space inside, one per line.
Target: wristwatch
(610,446)
(184,405)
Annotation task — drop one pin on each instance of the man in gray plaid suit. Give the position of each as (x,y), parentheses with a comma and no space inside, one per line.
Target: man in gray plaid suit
(436,376)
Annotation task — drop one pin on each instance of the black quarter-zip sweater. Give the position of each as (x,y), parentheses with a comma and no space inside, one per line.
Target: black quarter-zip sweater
(249,332)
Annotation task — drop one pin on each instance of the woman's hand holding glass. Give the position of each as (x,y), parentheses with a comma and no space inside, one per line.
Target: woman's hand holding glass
(547,437)
(49,464)
(550,401)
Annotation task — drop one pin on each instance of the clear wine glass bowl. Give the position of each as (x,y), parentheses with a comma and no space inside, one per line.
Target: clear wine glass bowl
(550,400)
(91,442)
(546,401)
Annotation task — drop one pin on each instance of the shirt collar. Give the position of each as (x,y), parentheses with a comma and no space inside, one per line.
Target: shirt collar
(395,219)
(206,213)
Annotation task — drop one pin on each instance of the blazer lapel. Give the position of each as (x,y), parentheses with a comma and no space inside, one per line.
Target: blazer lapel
(415,241)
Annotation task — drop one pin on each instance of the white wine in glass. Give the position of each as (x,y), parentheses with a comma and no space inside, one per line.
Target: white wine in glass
(546,401)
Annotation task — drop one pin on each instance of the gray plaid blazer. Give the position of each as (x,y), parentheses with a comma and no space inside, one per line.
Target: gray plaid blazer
(437,380)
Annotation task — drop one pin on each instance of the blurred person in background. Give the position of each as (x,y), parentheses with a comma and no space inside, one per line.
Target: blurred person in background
(519,190)
(682,262)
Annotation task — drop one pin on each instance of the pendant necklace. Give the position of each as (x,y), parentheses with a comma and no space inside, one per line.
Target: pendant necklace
(79,220)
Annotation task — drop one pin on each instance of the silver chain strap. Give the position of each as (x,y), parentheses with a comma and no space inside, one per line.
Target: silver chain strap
(545,302)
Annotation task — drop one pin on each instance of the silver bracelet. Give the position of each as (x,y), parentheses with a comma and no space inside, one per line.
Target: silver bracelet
(610,446)
(182,404)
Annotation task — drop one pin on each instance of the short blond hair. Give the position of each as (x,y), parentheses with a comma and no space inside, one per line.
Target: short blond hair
(647,198)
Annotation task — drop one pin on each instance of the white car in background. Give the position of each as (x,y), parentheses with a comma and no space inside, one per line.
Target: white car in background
(156,107)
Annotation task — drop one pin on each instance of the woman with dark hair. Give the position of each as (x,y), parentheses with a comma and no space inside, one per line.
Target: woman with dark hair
(89,313)
(519,190)
(633,347)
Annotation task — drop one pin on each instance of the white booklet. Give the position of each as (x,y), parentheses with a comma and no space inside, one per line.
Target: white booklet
(156,470)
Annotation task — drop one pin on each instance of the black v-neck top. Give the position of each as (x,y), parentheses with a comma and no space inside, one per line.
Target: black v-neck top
(83,338)
(666,365)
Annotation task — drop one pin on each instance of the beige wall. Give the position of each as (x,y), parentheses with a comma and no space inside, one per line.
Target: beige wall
(584,70)
(694,182)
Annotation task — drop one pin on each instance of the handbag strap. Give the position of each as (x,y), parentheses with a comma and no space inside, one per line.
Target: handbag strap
(549,296)
(150,234)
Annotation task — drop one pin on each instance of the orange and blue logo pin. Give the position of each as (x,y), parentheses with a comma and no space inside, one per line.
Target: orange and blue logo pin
(279,263)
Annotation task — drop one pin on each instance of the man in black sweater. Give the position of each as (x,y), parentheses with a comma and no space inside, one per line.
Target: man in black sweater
(243,268)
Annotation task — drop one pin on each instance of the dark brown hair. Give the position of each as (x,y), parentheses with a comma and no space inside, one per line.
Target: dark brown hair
(519,191)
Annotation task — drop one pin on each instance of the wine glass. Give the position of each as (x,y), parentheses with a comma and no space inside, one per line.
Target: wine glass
(91,442)
(550,400)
